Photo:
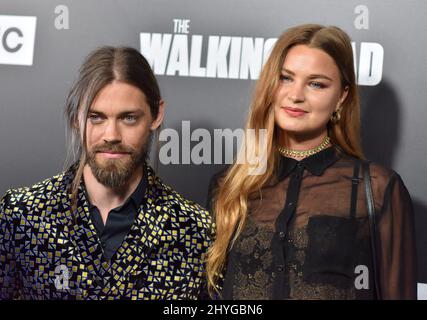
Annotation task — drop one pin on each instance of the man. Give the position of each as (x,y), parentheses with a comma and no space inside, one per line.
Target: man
(107,228)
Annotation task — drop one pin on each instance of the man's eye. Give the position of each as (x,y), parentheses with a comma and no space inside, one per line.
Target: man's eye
(129,119)
(95,118)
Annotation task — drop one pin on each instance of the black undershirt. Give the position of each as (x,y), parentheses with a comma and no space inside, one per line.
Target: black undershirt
(119,220)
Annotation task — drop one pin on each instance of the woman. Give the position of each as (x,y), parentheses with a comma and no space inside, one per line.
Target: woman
(301,230)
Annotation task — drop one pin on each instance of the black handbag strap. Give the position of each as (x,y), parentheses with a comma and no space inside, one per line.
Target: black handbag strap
(373,227)
(354,188)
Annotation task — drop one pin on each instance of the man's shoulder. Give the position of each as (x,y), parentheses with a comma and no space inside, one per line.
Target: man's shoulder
(32,195)
(185,207)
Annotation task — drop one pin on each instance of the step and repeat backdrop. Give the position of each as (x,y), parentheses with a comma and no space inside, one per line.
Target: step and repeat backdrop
(207,56)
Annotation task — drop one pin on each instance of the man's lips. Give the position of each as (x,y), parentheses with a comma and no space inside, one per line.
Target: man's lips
(294,112)
(113,154)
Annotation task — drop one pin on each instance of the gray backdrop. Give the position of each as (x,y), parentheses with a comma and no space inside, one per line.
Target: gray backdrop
(32,134)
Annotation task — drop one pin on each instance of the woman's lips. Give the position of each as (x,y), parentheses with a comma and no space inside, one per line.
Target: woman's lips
(294,112)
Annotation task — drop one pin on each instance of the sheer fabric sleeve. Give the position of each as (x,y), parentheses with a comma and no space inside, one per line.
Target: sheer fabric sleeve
(397,252)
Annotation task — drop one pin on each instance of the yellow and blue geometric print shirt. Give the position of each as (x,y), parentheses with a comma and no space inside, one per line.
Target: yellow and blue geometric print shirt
(49,252)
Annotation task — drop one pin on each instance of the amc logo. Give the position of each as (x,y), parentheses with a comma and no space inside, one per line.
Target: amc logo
(17,34)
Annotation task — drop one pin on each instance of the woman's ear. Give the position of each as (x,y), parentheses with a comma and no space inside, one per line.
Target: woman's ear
(344,95)
(160,115)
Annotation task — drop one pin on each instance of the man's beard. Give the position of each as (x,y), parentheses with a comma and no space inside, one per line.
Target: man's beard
(115,173)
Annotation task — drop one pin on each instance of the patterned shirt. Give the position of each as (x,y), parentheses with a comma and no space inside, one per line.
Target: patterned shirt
(47,251)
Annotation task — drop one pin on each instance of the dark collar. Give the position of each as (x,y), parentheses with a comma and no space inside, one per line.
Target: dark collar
(136,197)
(139,194)
(316,164)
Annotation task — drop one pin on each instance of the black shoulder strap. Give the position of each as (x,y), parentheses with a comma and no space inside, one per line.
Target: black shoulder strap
(373,226)
(354,188)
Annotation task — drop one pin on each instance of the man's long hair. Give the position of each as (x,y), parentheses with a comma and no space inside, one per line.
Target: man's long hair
(100,68)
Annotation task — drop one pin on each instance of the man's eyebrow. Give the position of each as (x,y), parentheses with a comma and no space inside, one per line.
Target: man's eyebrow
(96,111)
(130,111)
(136,112)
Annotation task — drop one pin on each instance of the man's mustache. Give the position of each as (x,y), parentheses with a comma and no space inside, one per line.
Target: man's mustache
(112,147)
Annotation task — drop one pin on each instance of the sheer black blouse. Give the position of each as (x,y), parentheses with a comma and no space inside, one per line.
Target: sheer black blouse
(307,234)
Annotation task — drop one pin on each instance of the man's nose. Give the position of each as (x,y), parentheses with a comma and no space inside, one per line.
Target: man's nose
(112,132)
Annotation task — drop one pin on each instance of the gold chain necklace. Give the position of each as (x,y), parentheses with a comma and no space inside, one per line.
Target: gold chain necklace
(304,153)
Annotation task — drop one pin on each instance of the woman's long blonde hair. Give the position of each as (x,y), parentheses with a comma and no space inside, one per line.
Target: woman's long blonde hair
(231,197)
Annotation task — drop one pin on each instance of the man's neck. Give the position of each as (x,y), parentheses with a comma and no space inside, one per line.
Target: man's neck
(105,198)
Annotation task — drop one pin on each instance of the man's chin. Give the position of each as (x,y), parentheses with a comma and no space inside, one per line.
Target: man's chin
(111,176)
(107,163)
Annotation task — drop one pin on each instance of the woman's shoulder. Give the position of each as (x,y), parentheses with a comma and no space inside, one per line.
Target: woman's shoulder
(380,171)
(376,170)
(386,182)
(382,177)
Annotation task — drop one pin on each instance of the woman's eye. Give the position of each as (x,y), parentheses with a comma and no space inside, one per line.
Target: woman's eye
(285,78)
(317,85)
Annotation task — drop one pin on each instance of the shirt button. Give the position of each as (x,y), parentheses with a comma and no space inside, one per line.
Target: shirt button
(290,204)
(282,235)
(280,268)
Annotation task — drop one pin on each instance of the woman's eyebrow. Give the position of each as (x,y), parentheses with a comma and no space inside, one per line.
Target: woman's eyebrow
(312,76)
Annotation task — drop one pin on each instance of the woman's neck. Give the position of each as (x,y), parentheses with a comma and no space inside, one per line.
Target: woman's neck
(301,142)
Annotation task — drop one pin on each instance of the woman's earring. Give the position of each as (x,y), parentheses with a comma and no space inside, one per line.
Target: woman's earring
(336,116)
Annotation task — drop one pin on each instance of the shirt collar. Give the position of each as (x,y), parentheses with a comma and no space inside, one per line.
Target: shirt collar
(316,164)
(139,194)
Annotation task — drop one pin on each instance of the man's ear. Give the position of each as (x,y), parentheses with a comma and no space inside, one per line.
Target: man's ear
(160,115)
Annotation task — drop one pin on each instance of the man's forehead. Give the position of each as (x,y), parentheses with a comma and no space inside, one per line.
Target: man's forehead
(117,98)
(119,94)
